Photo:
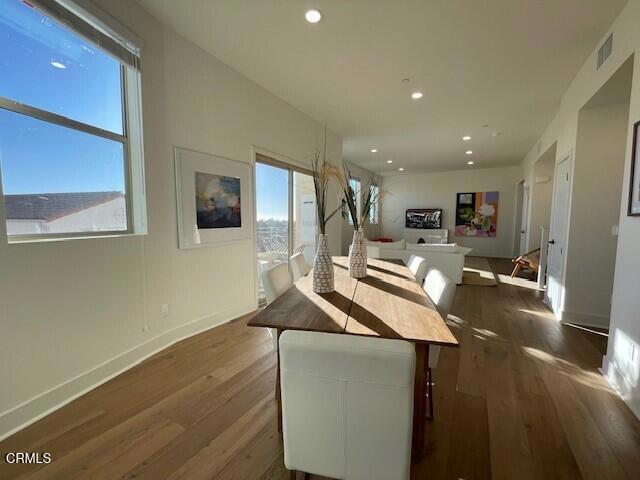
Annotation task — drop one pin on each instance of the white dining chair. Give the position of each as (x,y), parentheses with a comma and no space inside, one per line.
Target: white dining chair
(418,266)
(441,290)
(299,266)
(276,281)
(347,405)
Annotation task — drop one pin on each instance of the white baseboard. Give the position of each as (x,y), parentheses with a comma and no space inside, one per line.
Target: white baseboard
(585,319)
(28,412)
(616,379)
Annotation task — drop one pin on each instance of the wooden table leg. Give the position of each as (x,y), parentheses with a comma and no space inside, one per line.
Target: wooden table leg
(419,399)
(278,392)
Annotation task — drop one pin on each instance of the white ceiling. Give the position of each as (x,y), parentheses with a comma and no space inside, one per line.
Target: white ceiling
(501,63)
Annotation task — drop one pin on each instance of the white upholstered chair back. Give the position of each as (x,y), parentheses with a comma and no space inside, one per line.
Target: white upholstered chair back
(441,290)
(299,266)
(276,281)
(418,266)
(347,405)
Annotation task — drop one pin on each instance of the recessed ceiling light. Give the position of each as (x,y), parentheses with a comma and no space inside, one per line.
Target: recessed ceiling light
(313,16)
(374,150)
(470,162)
(406,80)
(401,169)
(469,152)
(466,138)
(389,161)
(416,95)
(59,65)
(496,134)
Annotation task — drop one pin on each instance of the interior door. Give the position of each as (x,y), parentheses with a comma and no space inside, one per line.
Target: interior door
(524,224)
(558,236)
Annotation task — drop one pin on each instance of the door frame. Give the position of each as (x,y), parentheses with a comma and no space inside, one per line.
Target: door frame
(568,156)
(280,161)
(520,215)
(525,220)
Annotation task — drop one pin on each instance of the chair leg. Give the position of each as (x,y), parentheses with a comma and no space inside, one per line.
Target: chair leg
(430,391)
(516,269)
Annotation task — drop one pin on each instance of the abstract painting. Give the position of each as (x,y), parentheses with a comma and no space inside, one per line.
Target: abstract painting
(424,218)
(477,214)
(217,201)
(214,199)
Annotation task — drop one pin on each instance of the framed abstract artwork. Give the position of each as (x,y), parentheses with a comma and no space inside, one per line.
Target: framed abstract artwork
(214,199)
(634,187)
(430,218)
(477,214)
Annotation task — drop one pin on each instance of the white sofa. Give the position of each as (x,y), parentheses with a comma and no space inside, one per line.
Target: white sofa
(448,258)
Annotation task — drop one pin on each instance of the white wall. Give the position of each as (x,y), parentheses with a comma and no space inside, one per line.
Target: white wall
(73,313)
(597,183)
(622,362)
(438,190)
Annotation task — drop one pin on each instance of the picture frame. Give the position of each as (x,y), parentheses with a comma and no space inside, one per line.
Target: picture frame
(423,218)
(477,214)
(634,181)
(214,199)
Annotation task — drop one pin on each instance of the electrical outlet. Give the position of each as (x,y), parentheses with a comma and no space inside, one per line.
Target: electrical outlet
(145,328)
(614,230)
(164,310)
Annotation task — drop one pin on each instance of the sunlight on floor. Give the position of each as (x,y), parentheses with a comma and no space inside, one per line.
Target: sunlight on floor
(585,377)
(587,329)
(518,282)
(547,315)
(483,273)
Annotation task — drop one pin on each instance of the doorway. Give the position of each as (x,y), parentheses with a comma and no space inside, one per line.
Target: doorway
(554,295)
(522,207)
(582,254)
(285,215)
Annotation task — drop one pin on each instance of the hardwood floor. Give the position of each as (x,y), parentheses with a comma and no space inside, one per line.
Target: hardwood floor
(521,399)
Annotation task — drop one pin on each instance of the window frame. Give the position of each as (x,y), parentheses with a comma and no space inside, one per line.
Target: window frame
(132,133)
(358,195)
(375,208)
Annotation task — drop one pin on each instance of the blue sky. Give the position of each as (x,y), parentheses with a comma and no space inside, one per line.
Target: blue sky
(36,157)
(272,192)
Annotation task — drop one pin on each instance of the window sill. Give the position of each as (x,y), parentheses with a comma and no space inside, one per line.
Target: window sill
(23,239)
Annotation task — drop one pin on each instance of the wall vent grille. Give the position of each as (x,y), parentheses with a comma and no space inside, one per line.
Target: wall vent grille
(605,51)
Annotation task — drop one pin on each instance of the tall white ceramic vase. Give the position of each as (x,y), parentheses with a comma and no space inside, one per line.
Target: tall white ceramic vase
(323,267)
(358,255)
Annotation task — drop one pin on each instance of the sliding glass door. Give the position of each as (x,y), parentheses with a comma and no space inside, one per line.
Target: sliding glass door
(286,215)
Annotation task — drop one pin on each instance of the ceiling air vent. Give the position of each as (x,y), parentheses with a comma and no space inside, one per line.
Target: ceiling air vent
(605,50)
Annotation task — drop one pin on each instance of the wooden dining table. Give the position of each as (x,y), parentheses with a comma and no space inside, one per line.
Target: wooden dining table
(387,303)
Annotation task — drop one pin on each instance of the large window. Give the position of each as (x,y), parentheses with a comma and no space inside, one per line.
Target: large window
(70,124)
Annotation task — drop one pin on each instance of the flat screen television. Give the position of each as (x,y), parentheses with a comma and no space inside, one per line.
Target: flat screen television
(430,218)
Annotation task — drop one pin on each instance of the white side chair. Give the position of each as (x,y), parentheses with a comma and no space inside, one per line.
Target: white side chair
(441,290)
(299,266)
(276,281)
(418,266)
(347,405)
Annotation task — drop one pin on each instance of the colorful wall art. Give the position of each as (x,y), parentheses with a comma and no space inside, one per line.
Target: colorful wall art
(477,214)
